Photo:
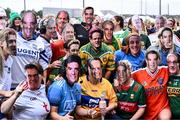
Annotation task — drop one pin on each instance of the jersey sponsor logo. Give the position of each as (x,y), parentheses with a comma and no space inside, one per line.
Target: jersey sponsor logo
(160,81)
(33,98)
(153,91)
(91,102)
(28,53)
(127,106)
(173,91)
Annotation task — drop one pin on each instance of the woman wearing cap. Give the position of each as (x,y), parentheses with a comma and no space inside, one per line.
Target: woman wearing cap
(15,21)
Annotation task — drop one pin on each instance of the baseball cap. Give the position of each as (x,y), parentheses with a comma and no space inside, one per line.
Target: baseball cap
(13,16)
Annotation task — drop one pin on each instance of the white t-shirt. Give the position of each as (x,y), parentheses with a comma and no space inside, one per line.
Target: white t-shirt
(31,105)
(6,80)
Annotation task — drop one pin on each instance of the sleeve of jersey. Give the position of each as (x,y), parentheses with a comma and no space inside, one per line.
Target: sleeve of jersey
(134,76)
(78,94)
(54,94)
(118,55)
(111,94)
(111,62)
(20,102)
(44,60)
(83,55)
(142,97)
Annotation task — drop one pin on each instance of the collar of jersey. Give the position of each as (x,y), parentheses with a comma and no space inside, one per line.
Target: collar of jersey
(33,38)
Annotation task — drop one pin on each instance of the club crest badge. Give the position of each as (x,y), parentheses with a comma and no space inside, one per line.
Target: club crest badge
(160,81)
(104,59)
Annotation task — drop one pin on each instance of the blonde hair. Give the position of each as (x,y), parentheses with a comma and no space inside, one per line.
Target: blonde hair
(127,65)
(4,35)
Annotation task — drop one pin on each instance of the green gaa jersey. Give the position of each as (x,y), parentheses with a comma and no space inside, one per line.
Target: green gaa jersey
(129,100)
(57,71)
(105,54)
(114,45)
(174,95)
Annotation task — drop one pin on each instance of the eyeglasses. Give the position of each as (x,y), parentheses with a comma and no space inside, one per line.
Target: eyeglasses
(173,62)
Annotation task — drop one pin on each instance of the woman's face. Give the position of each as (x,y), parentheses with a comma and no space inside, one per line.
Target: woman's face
(167,39)
(134,45)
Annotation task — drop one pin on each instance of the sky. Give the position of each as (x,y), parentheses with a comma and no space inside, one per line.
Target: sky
(119,6)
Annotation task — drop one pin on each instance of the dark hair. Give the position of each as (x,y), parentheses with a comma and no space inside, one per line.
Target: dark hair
(36,66)
(63,11)
(151,51)
(119,19)
(95,29)
(72,58)
(87,8)
(162,31)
